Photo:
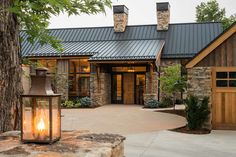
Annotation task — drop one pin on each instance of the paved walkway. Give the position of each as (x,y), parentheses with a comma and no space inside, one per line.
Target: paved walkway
(121,119)
(168,144)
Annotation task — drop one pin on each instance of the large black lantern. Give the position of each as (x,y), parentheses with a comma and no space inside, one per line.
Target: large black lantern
(41,113)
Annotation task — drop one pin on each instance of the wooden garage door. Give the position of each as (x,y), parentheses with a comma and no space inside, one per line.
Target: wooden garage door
(224,98)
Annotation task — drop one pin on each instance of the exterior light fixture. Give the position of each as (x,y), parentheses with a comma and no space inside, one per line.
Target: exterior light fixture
(41,113)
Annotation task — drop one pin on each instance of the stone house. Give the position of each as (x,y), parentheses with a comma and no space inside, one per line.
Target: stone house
(212,73)
(120,64)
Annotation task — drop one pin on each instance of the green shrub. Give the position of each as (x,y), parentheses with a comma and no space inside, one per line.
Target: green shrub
(85,102)
(68,104)
(152,103)
(166,102)
(197,112)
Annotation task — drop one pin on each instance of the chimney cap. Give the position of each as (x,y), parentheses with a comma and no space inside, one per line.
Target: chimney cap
(163,6)
(119,9)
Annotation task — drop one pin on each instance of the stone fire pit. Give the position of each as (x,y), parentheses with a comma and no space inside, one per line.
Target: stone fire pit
(72,144)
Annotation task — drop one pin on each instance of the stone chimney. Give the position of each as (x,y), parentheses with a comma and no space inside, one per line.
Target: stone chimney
(163,15)
(120,15)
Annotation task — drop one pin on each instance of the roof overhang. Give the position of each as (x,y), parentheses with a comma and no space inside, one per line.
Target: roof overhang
(210,47)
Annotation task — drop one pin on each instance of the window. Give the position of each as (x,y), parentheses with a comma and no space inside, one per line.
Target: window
(79,77)
(51,64)
(225,79)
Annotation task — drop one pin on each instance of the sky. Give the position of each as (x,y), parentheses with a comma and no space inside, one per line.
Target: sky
(141,12)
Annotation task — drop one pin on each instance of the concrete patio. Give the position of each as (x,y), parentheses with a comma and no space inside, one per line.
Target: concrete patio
(146,132)
(121,119)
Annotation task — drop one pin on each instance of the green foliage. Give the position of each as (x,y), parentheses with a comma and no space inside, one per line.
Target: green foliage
(197,112)
(211,12)
(68,104)
(34,15)
(166,102)
(85,102)
(152,103)
(171,81)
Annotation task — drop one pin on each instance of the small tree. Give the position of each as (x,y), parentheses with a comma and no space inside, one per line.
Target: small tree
(197,112)
(172,82)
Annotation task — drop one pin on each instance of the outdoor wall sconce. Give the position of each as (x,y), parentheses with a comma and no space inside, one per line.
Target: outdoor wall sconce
(41,113)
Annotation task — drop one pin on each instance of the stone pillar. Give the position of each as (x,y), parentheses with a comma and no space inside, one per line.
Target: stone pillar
(25,78)
(61,78)
(100,88)
(199,84)
(151,88)
(120,16)
(163,15)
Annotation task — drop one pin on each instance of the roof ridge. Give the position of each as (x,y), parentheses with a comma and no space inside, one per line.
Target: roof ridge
(141,25)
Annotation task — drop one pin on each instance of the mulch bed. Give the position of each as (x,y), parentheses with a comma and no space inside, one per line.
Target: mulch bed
(184,129)
(171,111)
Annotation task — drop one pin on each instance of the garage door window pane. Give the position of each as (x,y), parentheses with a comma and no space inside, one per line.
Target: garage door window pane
(221,75)
(221,83)
(232,83)
(232,75)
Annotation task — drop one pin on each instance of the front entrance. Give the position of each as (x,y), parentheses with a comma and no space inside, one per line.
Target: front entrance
(224,98)
(128,88)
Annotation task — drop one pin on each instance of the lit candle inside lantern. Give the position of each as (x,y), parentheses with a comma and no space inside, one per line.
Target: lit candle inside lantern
(41,125)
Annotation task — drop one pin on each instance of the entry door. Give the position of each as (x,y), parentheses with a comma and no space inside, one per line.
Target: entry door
(117,89)
(224,98)
(128,86)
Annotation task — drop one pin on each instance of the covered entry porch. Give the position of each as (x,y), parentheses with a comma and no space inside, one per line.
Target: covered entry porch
(126,83)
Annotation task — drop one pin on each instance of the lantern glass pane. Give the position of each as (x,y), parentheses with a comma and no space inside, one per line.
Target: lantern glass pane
(56,128)
(27,119)
(36,118)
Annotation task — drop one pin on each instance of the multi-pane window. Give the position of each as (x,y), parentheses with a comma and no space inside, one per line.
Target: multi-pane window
(226,79)
(79,78)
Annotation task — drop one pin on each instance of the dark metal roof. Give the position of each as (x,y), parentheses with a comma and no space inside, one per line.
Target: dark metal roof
(129,50)
(181,40)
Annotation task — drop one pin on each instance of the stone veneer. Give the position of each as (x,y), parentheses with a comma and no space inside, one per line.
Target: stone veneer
(72,144)
(163,19)
(199,84)
(151,88)
(100,89)
(120,22)
(60,79)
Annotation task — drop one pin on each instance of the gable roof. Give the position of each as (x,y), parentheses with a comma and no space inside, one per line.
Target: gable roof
(211,46)
(181,41)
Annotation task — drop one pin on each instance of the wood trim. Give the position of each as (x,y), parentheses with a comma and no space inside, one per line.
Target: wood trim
(158,56)
(211,47)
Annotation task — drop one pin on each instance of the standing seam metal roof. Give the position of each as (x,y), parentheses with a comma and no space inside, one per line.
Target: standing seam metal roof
(181,41)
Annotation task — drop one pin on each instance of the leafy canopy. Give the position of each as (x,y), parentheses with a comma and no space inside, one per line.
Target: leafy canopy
(171,81)
(211,12)
(34,15)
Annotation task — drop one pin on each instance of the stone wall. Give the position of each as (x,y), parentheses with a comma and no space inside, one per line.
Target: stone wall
(163,19)
(199,84)
(120,22)
(151,88)
(60,79)
(100,89)
(25,79)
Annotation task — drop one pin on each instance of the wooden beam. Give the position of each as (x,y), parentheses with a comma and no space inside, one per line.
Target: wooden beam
(206,51)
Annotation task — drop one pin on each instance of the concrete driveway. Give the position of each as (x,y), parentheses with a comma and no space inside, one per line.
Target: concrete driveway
(168,144)
(146,134)
(121,119)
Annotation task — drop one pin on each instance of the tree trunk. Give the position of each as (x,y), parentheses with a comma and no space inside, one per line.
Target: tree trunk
(10,70)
